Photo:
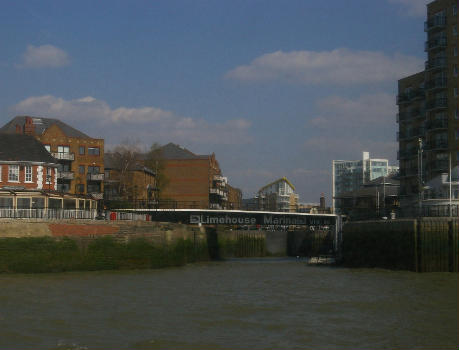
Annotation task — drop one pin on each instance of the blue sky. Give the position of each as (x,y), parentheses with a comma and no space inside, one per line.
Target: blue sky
(274,88)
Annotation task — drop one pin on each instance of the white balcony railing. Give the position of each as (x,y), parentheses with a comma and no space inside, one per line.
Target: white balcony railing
(65,175)
(95,177)
(63,155)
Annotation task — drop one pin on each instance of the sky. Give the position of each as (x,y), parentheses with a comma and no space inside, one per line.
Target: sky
(273,88)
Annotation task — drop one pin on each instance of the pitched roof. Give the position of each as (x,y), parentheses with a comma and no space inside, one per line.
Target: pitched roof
(110,162)
(23,148)
(41,124)
(173,151)
(275,182)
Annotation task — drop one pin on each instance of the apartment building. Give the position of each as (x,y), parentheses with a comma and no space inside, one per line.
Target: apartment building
(193,181)
(351,175)
(278,196)
(428,115)
(80,157)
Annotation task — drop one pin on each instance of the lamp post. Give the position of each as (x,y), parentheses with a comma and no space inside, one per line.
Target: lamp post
(420,182)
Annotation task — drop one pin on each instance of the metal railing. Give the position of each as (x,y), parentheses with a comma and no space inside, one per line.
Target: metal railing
(47,213)
(63,155)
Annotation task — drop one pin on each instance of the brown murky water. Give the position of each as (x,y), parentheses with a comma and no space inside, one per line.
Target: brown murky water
(238,304)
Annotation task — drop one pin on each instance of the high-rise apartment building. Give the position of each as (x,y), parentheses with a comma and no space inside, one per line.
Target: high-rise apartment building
(428,115)
(350,175)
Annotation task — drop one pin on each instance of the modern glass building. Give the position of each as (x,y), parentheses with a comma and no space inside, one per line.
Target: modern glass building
(350,175)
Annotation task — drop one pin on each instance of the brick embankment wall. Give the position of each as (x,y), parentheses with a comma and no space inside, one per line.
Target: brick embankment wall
(424,245)
(158,232)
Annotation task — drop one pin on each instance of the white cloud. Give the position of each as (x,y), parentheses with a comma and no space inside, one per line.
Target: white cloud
(44,56)
(147,124)
(414,8)
(340,67)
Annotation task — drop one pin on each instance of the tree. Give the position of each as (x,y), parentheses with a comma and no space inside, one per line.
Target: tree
(154,160)
(121,161)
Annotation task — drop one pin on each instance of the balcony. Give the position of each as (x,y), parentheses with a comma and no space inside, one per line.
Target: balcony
(437,103)
(412,95)
(95,177)
(434,23)
(440,165)
(436,43)
(217,191)
(408,153)
(436,63)
(65,175)
(220,178)
(437,83)
(437,124)
(63,155)
(436,145)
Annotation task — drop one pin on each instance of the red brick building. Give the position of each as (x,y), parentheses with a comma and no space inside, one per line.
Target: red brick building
(80,157)
(26,164)
(193,181)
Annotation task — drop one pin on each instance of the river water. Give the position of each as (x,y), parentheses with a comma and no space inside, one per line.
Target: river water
(236,304)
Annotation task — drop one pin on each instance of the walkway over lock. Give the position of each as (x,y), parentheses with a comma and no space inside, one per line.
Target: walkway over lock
(238,217)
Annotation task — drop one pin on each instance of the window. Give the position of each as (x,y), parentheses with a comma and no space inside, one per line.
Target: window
(80,169)
(23,203)
(13,173)
(455,70)
(63,149)
(93,151)
(93,170)
(457,134)
(455,30)
(81,150)
(48,148)
(80,188)
(0,173)
(456,114)
(28,173)
(455,51)
(455,92)
(49,175)
(454,10)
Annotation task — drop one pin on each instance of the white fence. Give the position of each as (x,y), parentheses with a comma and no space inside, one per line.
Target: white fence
(47,213)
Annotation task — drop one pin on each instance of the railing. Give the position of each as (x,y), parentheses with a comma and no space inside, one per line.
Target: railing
(436,63)
(435,22)
(65,175)
(95,177)
(410,96)
(437,83)
(439,144)
(437,103)
(437,124)
(63,155)
(435,43)
(47,213)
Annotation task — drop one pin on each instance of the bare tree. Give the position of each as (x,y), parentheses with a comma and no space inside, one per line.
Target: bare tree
(154,160)
(121,160)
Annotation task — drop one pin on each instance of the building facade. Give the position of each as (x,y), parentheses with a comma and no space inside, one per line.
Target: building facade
(28,183)
(428,115)
(193,181)
(129,180)
(80,157)
(278,196)
(350,175)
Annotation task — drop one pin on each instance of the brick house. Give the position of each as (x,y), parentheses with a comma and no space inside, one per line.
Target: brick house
(135,182)
(193,181)
(80,157)
(25,163)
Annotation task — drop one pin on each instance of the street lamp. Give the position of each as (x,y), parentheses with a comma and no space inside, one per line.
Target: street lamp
(420,182)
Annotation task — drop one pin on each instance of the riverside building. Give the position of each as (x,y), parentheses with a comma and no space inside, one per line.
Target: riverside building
(80,157)
(428,116)
(351,175)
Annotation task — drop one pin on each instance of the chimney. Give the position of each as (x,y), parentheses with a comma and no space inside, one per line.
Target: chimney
(322,201)
(29,127)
